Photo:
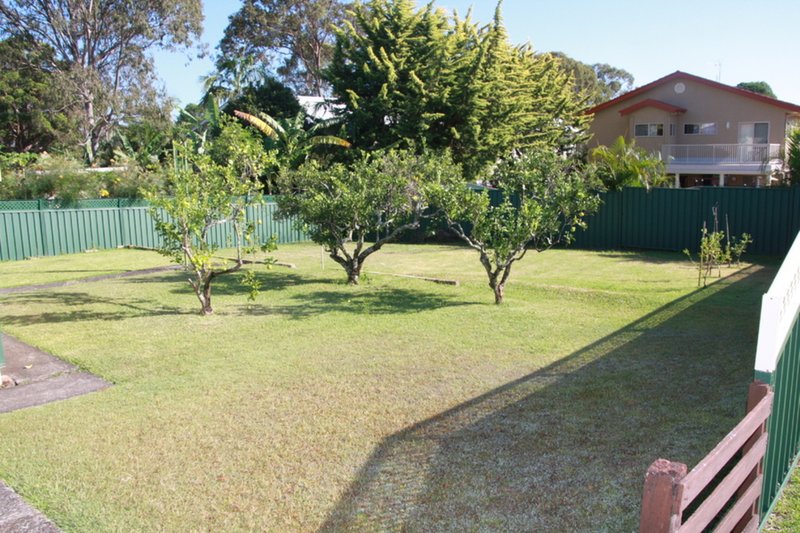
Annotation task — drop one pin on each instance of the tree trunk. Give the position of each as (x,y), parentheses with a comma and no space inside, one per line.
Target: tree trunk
(498,293)
(205,299)
(353,273)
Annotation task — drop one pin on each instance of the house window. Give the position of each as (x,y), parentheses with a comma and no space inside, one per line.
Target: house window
(704,128)
(648,130)
(754,133)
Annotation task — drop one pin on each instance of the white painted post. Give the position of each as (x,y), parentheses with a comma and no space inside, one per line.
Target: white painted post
(722,180)
(677,181)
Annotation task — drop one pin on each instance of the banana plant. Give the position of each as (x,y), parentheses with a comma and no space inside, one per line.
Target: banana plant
(293,141)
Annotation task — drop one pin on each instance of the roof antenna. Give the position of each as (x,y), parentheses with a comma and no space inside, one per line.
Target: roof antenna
(718,64)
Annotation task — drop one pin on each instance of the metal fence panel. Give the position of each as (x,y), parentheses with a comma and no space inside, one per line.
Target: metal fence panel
(52,230)
(784,423)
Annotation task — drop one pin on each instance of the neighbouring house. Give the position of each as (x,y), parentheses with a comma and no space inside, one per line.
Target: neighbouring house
(708,133)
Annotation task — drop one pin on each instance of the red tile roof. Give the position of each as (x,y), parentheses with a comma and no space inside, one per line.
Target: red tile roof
(650,102)
(678,75)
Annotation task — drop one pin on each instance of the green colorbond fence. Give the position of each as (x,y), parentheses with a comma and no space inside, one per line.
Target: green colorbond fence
(670,219)
(778,364)
(661,219)
(53,231)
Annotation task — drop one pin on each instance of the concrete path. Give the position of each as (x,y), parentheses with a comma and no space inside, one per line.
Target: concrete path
(41,378)
(18,517)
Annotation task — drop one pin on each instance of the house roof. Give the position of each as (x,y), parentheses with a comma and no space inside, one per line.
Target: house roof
(650,102)
(678,75)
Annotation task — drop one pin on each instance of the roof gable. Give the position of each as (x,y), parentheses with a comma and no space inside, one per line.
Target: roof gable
(678,75)
(650,102)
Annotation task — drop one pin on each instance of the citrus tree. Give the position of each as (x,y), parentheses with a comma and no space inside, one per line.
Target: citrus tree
(200,195)
(378,197)
(544,198)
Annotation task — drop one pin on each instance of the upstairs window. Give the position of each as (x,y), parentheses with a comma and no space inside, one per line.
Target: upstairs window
(754,133)
(705,128)
(648,130)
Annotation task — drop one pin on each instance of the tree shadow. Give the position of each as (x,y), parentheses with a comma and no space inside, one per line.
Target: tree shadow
(565,448)
(230,284)
(81,306)
(372,301)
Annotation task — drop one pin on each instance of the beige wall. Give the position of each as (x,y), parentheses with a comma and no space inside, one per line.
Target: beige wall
(702,104)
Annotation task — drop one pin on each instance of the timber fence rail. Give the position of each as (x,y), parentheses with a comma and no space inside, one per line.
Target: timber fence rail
(55,231)
(676,501)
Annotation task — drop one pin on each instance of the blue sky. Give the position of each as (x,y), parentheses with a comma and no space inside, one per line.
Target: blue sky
(729,41)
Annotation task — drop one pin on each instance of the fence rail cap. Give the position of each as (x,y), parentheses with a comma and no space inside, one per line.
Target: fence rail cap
(779,310)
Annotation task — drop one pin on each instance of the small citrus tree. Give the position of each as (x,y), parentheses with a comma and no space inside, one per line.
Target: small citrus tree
(545,197)
(198,196)
(378,197)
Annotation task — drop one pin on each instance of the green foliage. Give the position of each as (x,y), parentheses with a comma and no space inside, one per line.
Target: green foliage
(64,180)
(716,248)
(32,117)
(267,95)
(595,83)
(736,247)
(296,34)
(100,59)
(760,87)
(199,195)
(378,197)
(240,148)
(290,142)
(793,156)
(416,78)
(624,164)
(545,198)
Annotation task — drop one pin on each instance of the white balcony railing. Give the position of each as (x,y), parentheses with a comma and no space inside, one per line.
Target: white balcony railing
(720,154)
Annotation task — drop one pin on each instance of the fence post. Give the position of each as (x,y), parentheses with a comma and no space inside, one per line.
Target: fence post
(755,393)
(661,497)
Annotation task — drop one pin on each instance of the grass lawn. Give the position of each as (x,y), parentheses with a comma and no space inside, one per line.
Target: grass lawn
(395,405)
(786,515)
(42,270)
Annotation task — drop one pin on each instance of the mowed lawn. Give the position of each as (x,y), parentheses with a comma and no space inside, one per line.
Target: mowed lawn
(395,405)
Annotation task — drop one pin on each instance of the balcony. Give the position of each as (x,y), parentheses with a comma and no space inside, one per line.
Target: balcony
(721,158)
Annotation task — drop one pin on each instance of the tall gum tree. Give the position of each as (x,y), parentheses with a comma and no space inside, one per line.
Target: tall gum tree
(100,51)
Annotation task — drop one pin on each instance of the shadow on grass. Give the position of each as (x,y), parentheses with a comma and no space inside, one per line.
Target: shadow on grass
(372,301)
(82,306)
(566,448)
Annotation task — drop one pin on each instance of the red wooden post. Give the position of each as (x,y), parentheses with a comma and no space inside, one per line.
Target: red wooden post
(661,497)
(755,394)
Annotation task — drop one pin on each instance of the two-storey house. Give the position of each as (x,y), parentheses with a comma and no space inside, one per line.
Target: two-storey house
(708,133)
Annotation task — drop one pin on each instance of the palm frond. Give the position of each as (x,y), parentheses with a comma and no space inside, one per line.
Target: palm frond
(328,140)
(268,126)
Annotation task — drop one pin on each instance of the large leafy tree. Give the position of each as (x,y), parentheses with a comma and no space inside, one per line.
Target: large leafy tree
(415,77)
(544,198)
(760,87)
(595,83)
(297,35)
(100,52)
(32,117)
(379,197)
